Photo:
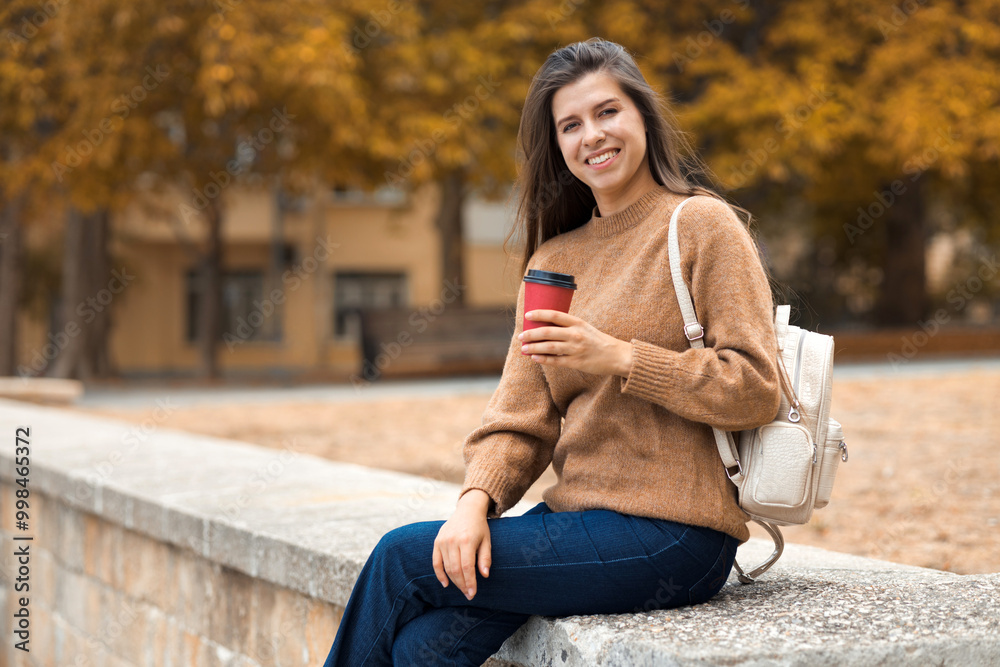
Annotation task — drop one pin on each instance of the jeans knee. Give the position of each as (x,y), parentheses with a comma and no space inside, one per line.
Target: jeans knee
(401,542)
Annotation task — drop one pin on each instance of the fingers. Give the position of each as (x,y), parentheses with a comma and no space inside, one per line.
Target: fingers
(553,316)
(469,571)
(485,556)
(438,560)
(456,572)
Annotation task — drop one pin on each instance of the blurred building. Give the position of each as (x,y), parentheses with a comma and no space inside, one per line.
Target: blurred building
(297,275)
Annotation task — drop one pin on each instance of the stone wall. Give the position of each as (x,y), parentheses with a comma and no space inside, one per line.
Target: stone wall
(105,595)
(157,547)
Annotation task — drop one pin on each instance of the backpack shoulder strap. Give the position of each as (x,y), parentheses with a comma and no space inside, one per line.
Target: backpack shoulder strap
(695,334)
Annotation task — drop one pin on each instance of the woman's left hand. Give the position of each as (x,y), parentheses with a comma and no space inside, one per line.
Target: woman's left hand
(569,342)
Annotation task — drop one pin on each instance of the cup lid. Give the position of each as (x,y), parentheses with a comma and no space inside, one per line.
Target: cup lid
(550,278)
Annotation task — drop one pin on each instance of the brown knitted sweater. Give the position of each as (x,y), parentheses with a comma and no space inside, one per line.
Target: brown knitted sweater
(640,445)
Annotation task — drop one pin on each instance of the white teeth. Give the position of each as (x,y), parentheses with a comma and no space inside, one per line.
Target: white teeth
(603,157)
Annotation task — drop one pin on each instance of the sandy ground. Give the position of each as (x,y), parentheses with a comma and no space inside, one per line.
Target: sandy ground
(922,484)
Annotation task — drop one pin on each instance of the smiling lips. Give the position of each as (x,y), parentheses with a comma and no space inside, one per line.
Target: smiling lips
(603,158)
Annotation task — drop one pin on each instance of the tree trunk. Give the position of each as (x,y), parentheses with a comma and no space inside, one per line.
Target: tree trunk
(69,337)
(210,283)
(903,300)
(102,286)
(10,284)
(88,293)
(449,224)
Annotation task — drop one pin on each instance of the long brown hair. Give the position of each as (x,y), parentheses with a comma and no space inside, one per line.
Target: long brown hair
(551,199)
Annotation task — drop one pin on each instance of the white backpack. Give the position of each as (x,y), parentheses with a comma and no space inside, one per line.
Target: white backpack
(783,469)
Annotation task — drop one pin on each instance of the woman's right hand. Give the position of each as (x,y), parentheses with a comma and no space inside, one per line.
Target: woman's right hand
(463,540)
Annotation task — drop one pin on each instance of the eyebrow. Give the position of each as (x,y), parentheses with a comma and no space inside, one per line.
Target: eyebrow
(596,106)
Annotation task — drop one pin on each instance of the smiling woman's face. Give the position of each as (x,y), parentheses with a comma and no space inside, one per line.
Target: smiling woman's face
(592,117)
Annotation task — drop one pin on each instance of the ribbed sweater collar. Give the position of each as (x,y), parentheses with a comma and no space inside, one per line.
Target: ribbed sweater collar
(629,216)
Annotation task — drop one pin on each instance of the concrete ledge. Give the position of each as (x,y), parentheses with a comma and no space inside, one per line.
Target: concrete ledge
(308,524)
(815,608)
(52,391)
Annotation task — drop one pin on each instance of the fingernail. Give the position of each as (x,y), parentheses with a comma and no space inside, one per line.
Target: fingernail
(486,572)
(470,594)
(444,584)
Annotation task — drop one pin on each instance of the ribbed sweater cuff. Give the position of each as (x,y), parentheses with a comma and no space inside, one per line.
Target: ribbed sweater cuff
(490,476)
(649,377)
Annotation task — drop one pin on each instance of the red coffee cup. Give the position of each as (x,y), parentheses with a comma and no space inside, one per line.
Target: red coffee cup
(546,290)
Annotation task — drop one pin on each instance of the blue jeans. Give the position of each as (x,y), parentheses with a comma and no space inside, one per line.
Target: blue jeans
(544,562)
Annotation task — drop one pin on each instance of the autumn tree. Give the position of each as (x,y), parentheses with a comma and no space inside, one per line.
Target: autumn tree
(447,81)
(868,112)
(193,97)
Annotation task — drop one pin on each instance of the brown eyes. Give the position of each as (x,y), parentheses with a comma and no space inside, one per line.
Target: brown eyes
(569,125)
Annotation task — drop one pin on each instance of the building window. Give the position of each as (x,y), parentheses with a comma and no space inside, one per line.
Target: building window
(354,291)
(246,314)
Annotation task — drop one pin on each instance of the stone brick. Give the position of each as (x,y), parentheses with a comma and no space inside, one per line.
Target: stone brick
(93,609)
(191,655)
(70,598)
(197,590)
(229,622)
(321,628)
(123,626)
(70,537)
(59,640)
(291,611)
(173,654)
(133,616)
(45,526)
(148,569)
(7,499)
(112,559)
(155,645)
(42,637)
(92,527)
(264,641)
(44,576)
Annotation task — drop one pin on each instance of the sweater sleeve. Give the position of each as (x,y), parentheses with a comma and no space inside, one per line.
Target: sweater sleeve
(731,383)
(513,446)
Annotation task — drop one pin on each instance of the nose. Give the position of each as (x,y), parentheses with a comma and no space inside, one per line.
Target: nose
(593,134)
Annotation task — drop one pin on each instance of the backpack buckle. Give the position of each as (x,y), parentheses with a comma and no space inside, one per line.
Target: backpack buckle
(738,466)
(694,331)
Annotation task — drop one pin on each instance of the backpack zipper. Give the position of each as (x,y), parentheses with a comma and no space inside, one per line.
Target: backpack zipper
(793,411)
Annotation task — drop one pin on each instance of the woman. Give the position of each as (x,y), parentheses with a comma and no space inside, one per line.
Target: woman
(643,515)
